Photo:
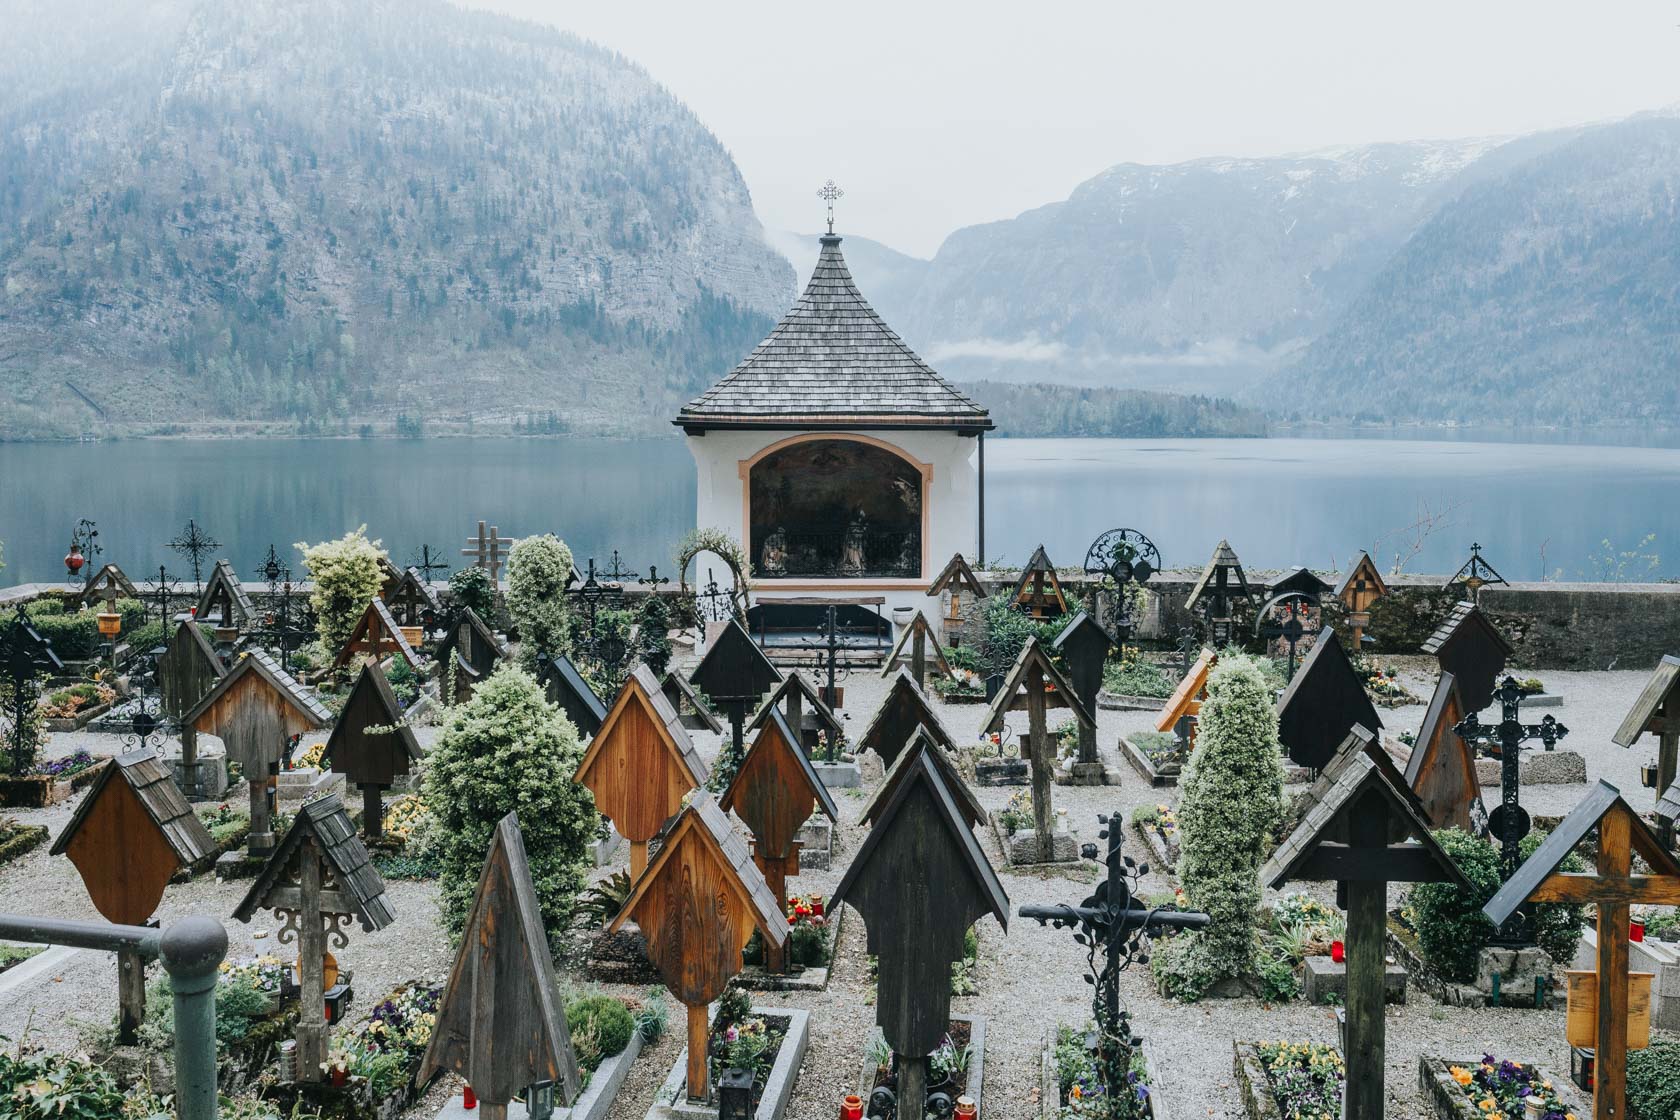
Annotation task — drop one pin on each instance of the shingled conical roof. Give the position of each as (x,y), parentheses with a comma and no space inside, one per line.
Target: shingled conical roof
(832,362)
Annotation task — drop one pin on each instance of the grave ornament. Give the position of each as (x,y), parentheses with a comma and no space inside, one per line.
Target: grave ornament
(1039,590)
(1217,593)
(1084,645)
(372,744)
(1360,588)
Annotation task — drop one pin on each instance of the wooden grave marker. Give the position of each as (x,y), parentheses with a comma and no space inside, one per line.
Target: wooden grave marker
(132,831)
(734,672)
(1039,590)
(489,551)
(904,708)
(919,881)
(468,654)
(108,579)
(925,742)
(316,880)
(1182,711)
(1084,646)
(187,671)
(1324,700)
(378,636)
(1216,593)
(774,793)
(804,709)
(915,643)
(501,1024)
(1442,769)
(697,904)
(1470,647)
(256,709)
(1036,685)
(1363,831)
(224,597)
(956,580)
(1613,888)
(1360,588)
(1668,815)
(371,744)
(640,764)
(567,690)
(694,715)
(412,601)
(1657,710)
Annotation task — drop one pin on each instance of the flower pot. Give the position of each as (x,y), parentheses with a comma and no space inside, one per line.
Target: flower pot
(1581,1018)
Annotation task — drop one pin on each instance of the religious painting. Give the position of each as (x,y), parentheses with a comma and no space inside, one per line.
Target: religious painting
(834,508)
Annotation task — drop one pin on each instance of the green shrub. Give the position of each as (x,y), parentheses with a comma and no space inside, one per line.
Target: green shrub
(74,636)
(1451,928)
(1653,1080)
(1232,801)
(45,1086)
(145,637)
(346,577)
(611,1020)
(538,569)
(471,587)
(133,613)
(654,637)
(1184,968)
(1137,677)
(503,750)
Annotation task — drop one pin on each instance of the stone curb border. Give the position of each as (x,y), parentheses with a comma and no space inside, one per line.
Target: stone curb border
(669,1104)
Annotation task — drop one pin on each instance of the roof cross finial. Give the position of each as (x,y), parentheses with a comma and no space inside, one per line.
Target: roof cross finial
(828,193)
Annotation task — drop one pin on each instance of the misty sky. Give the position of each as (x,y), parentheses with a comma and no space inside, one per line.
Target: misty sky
(935,116)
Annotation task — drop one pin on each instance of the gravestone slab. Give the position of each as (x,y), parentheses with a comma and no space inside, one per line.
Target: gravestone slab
(839,775)
(1517,969)
(672,1103)
(1540,768)
(1323,977)
(1087,774)
(816,843)
(212,779)
(1023,847)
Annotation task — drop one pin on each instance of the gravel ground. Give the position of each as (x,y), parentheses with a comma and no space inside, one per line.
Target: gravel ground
(1029,978)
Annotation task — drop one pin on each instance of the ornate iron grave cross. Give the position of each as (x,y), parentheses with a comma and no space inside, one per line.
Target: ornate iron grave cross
(1504,741)
(653,581)
(84,540)
(488,551)
(1475,575)
(25,657)
(1115,934)
(427,562)
(280,631)
(195,544)
(829,192)
(1284,618)
(1124,557)
(714,604)
(618,573)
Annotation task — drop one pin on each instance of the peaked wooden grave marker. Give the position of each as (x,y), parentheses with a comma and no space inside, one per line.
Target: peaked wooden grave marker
(1181,713)
(107,579)
(1613,888)
(1442,769)
(1360,588)
(640,764)
(501,1024)
(697,904)
(1216,593)
(378,636)
(128,837)
(372,744)
(956,580)
(774,793)
(187,671)
(1039,590)
(915,642)
(566,688)
(1668,815)
(919,881)
(412,600)
(224,597)
(1657,710)
(316,881)
(924,742)
(1084,646)
(1035,684)
(796,697)
(734,672)
(904,708)
(468,654)
(1470,647)
(1322,703)
(256,709)
(686,702)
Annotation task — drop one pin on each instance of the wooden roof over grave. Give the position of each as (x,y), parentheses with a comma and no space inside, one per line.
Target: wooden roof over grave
(924,741)
(566,688)
(957,576)
(832,363)
(1349,591)
(357,888)
(776,789)
(1662,686)
(904,708)
(1185,700)
(734,667)
(480,631)
(295,706)
(191,667)
(366,757)
(1470,647)
(474,664)
(920,880)
(501,1024)
(641,761)
(1442,769)
(702,858)
(390,575)
(1084,645)
(1317,850)
(1011,698)
(1601,801)
(677,690)
(130,834)
(1668,806)
(223,590)
(1323,700)
(1302,581)
(1039,585)
(809,697)
(411,588)
(1360,738)
(377,634)
(107,576)
(1224,558)
(903,650)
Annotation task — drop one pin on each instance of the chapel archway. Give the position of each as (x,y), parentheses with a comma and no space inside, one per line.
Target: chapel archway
(836,509)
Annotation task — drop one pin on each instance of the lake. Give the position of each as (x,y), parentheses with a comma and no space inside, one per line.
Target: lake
(1279,501)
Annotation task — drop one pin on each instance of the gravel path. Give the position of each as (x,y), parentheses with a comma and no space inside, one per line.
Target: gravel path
(1029,978)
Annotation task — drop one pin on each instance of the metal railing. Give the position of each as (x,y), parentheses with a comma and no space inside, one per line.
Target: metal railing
(191,950)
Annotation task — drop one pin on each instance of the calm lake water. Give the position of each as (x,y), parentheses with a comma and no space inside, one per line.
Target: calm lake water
(1279,501)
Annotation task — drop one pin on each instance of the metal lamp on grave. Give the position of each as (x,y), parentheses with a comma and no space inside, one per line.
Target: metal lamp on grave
(110,623)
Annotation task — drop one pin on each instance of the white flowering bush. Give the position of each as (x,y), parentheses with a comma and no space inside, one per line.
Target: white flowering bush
(538,568)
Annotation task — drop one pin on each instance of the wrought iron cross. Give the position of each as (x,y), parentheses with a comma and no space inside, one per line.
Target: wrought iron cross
(1475,574)
(653,581)
(195,544)
(427,562)
(160,593)
(716,604)
(618,573)
(1125,557)
(828,192)
(1505,741)
(25,657)
(86,537)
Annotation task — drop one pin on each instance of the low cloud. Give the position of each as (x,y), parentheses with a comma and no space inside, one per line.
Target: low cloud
(995,349)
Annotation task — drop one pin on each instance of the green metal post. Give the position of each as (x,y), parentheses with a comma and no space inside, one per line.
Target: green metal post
(192,950)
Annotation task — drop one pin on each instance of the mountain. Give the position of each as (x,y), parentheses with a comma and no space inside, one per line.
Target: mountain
(321,214)
(1195,276)
(1545,294)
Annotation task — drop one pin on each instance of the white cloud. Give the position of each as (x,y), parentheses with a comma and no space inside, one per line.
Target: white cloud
(995,349)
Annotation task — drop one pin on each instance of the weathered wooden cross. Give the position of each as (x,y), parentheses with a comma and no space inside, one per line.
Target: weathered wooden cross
(956,579)
(371,745)
(1039,590)
(1613,888)
(1323,701)
(734,672)
(796,696)
(188,669)
(1442,768)
(488,551)
(904,708)
(1034,683)
(1361,588)
(922,641)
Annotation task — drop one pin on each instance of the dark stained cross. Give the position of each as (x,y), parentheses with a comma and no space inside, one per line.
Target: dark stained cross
(195,544)
(488,551)
(1505,740)
(25,657)
(1475,575)
(429,563)
(1657,711)
(371,745)
(1084,645)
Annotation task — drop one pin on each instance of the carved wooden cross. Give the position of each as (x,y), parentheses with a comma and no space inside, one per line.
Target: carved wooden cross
(488,551)
(1613,888)
(1034,683)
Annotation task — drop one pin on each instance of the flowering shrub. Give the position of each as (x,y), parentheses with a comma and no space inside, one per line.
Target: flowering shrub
(538,569)
(310,758)
(262,973)
(64,767)
(1306,1078)
(1017,813)
(346,577)
(405,816)
(1130,675)
(1501,1090)
(66,702)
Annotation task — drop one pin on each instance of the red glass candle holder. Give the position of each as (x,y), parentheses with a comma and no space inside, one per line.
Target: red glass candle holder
(1636,930)
(816,905)
(1338,952)
(851,1107)
(469,1099)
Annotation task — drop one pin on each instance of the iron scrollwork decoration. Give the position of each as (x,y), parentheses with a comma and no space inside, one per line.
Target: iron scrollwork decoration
(1285,618)
(1123,557)
(195,544)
